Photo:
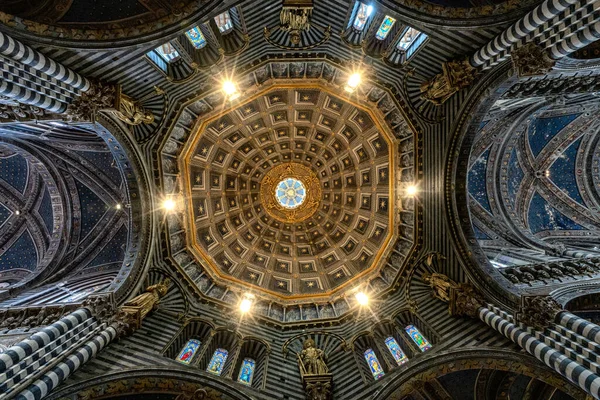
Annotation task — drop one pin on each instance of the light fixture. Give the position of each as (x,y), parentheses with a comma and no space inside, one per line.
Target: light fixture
(353,81)
(17,212)
(246,303)
(362,298)
(230,90)
(169,204)
(118,206)
(412,190)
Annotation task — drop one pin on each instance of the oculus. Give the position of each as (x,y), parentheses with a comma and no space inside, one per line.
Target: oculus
(290,193)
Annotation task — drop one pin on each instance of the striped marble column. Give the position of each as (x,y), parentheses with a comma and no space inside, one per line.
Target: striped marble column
(39,340)
(580,326)
(580,39)
(51,379)
(17,51)
(26,96)
(519,30)
(555,359)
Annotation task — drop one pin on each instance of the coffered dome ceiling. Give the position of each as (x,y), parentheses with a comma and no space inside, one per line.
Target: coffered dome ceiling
(289,191)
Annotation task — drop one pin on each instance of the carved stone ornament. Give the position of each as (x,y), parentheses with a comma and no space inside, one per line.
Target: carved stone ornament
(456,75)
(32,317)
(101,306)
(11,111)
(531,60)
(538,311)
(465,300)
(107,97)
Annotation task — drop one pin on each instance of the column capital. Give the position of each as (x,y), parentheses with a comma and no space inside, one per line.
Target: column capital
(531,60)
(462,298)
(538,312)
(108,97)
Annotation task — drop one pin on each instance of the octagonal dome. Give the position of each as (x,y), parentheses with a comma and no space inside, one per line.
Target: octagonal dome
(343,155)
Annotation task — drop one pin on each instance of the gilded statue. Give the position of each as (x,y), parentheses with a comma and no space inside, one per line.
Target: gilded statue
(440,284)
(148,300)
(131,112)
(312,360)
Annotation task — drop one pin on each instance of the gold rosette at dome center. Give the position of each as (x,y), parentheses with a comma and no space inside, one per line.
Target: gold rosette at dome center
(268,189)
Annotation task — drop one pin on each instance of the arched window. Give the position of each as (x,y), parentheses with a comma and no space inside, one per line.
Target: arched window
(168,52)
(374,364)
(396,350)
(224,22)
(418,338)
(410,41)
(247,371)
(362,15)
(217,362)
(189,351)
(196,37)
(385,27)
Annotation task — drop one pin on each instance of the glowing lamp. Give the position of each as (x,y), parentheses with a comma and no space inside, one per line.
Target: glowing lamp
(362,298)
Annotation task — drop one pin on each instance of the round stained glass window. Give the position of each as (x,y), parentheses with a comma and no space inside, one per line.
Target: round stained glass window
(290,193)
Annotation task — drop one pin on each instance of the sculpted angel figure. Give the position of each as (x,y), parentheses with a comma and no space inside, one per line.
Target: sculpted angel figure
(440,284)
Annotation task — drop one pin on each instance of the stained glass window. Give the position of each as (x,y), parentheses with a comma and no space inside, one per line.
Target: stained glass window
(362,15)
(247,371)
(373,363)
(224,23)
(189,351)
(196,37)
(416,336)
(385,27)
(396,351)
(168,52)
(217,362)
(290,193)
(410,41)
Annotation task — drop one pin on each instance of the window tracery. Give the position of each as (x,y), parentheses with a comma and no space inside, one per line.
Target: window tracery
(196,37)
(410,41)
(396,350)
(418,338)
(189,351)
(385,27)
(217,362)
(168,52)
(373,363)
(362,16)
(247,371)
(224,22)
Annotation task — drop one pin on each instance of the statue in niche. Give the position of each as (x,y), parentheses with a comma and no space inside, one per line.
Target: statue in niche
(131,112)
(312,360)
(440,284)
(456,75)
(315,375)
(148,300)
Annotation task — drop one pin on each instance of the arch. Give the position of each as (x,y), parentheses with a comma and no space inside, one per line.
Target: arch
(463,359)
(193,328)
(92,220)
(173,379)
(478,102)
(258,350)
(369,357)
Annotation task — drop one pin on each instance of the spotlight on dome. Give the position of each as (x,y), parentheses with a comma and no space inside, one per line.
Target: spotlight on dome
(246,303)
(17,212)
(119,206)
(169,204)
(353,82)
(362,298)
(230,90)
(412,190)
